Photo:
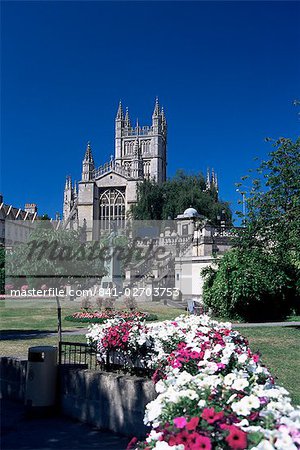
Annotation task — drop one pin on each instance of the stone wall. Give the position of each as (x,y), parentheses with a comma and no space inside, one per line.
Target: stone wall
(13,375)
(105,400)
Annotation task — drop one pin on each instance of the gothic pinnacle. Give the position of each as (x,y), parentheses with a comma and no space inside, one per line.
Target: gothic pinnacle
(120,115)
(156,108)
(127,118)
(88,153)
(163,117)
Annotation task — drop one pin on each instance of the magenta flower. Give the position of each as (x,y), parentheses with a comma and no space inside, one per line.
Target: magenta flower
(180,422)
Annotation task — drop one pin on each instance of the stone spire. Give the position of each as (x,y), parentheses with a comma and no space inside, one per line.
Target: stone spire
(120,114)
(216,183)
(208,178)
(88,164)
(88,154)
(127,119)
(137,126)
(156,111)
(163,116)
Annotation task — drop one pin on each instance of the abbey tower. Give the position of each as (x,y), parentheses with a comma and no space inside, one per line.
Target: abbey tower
(106,193)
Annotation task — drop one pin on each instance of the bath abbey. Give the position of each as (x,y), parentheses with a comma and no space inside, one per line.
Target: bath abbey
(102,200)
(106,193)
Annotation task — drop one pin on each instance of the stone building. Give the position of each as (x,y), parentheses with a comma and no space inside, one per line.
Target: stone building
(106,193)
(16,223)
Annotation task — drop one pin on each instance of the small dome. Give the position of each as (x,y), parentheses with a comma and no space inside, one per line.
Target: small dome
(191,212)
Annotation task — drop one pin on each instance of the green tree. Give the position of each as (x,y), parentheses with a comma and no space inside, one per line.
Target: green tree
(273,203)
(249,284)
(259,278)
(167,200)
(55,257)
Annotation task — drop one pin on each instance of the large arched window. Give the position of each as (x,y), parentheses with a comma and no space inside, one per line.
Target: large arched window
(112,208)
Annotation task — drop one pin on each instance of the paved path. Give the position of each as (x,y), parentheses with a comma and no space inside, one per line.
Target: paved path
(266,324)
(22,433)
(8,335)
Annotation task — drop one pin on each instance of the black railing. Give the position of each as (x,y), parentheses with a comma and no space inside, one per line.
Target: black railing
(114,361)
(78,353)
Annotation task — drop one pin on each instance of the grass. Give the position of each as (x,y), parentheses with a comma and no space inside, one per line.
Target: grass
(279,347)
(19,348)
(42,315)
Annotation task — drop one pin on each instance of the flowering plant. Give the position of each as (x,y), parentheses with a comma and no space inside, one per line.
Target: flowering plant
(102,316)
(213,392)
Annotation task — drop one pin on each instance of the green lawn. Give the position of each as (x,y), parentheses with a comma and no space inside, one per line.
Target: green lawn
(279,346)
(42,315)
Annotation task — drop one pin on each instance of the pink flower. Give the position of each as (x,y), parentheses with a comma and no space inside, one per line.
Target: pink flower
(197,442)
(211,416)
(192,424)
(180,422)
(237,439)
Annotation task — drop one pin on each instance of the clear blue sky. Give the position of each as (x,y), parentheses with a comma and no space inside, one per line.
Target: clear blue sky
(226,73)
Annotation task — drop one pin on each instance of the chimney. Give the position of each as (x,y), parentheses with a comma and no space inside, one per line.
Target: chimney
(30,208)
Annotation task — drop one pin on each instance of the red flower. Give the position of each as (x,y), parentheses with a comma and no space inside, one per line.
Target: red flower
(237,439)
(132,444)
(210,415)
(192,424)
(183,438)
(255,358)
(197,441)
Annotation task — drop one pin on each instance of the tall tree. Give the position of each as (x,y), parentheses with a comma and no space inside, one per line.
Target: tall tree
(167,200)
(260,277)
(272,219)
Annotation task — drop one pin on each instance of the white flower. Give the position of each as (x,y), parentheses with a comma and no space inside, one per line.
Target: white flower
(243,423)
(240,384)
(252,401)
(153,436)
(240,408)
(229,379)
(160,387)
(264,445)
(285,442)
(189,393)
(201,403)
(162,445)
(231,398)
(242,358)
(153,411)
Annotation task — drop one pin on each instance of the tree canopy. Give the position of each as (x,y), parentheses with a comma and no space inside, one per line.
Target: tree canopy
(167,200)
(55,257)
(259,278)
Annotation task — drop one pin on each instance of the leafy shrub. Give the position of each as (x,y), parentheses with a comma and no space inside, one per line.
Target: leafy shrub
(86,303)
(99,302)
(251,285)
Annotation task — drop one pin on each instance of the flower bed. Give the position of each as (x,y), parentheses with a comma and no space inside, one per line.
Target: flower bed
(213,392)
(87,316)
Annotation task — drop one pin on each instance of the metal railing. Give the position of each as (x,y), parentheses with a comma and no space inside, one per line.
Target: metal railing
(78,353)
(114,361)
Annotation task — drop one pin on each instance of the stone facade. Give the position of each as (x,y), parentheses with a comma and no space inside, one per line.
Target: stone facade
(16,223)
(106,193)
